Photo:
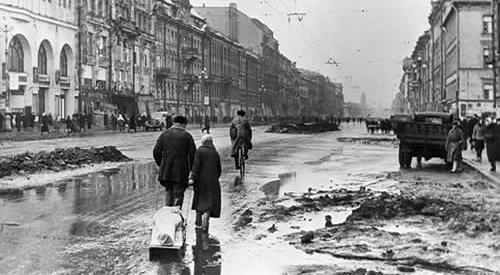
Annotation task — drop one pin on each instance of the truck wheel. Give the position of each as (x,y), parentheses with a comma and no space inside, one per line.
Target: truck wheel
(408,159)
(401,157)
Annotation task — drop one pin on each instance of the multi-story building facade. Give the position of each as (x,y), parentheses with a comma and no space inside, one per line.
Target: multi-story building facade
(463,33)
(141,56)
(451,67)
(38,68)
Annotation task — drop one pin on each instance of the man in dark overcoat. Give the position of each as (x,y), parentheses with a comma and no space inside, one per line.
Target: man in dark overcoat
(204,177)
(492,137)
(174,154)
(241,134)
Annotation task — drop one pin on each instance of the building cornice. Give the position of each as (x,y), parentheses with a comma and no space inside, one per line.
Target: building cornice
(34,16)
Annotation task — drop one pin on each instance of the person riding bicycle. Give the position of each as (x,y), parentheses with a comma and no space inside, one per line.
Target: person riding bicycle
(241,135)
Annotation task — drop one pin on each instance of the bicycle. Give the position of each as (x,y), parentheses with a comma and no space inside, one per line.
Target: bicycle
(241,161)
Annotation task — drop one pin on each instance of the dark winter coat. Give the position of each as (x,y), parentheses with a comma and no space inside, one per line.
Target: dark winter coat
(45,124)
(455,143)
(240,133)
(205,174)
(174,154)
(492,138)
(168,121)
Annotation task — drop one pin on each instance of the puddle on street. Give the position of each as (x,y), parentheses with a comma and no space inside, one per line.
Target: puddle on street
(48,219)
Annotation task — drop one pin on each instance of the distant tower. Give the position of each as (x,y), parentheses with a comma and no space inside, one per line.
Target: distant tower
(363,100)
(364,107)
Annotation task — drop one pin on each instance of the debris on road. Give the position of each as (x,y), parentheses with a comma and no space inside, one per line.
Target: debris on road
(307,237)
(302,128)
(245,219)
(370,140)
(388,206)
(58,160)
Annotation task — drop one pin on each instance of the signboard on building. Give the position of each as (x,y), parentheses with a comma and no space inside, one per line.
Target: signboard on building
(13,81)
(206,101)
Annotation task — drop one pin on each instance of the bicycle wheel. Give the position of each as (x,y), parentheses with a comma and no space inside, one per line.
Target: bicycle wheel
(242,162)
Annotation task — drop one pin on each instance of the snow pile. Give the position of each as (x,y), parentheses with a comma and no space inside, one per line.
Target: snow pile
(58,160)
(300,128)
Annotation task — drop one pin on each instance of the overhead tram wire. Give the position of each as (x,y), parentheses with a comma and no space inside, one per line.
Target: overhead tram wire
(311,39)
(319,51)
(314,46)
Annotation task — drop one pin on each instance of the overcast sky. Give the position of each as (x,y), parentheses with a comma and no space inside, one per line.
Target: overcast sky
(368,38)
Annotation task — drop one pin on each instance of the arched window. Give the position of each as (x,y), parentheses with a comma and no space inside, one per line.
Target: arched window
(42,60)
(16,56)
(63,63)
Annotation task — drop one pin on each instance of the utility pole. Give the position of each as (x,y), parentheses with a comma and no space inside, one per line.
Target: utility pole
(6,29)
(110,49)
(80,67)
(493,52)
(178,67)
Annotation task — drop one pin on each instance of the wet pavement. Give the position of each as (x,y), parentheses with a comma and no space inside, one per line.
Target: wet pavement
(100,222)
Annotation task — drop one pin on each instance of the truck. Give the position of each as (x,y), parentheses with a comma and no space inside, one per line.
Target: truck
(156,122)
(422,135)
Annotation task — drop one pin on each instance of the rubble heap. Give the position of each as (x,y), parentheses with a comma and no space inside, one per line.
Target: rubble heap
(388,206)
(57,160)
(303,128)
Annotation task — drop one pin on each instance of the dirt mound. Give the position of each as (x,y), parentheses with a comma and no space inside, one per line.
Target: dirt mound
(301,128)
(58,160)
(388,206)
(314,202)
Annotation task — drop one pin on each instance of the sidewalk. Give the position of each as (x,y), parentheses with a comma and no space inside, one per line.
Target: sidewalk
(482,167)
(34,134)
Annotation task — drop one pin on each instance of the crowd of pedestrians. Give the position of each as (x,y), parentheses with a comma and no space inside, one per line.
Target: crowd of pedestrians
(481,133)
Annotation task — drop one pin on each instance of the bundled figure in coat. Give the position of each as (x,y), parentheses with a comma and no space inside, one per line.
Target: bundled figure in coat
(204,177)
(455,143)
(492,138)
(477,139)
(241,135)
(174,154)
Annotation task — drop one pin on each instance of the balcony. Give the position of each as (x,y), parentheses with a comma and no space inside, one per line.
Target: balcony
(190,54)
(190,78)
(227,80)
(64,81)
(162,72)
(43,79)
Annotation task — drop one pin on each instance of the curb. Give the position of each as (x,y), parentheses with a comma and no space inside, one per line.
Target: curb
(487,174)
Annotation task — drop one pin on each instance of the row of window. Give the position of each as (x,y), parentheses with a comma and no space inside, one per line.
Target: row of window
(16,59)
(62,3)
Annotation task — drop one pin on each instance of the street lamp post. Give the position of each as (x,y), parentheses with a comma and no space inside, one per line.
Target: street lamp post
(203,77)
(6,29)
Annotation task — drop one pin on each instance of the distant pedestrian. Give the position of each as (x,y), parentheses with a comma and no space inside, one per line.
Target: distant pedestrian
(205,176)
(168,121)
(105,119)
(69,125)
(121,123)
(455,143)
(18,122)
(81,122)
(205,125)
(89,120)
(174,154)
(45,123)
(132,124)
(8,122)
(478,139)
(2,118)
(492,138)
(114,122)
